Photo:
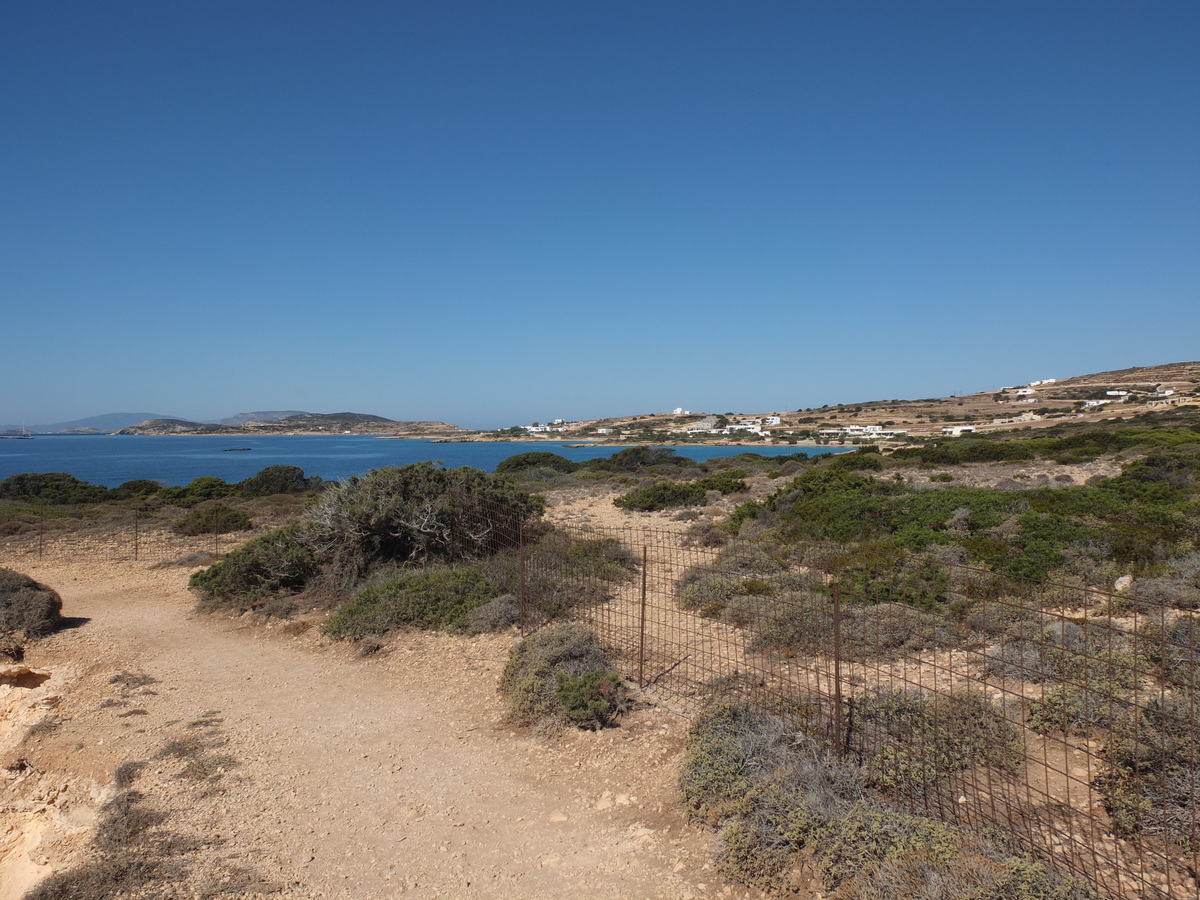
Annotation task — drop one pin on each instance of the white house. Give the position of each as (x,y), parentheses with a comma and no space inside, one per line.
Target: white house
(859,432)
(956,430)
(604,431)
(1023,417)
(771,420)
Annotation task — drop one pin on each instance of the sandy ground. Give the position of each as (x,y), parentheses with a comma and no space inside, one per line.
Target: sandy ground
(303,770)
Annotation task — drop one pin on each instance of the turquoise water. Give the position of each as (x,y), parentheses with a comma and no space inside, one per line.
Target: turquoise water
(113,459)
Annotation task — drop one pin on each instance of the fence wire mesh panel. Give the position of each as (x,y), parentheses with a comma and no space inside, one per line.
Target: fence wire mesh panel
(127,538)
(1064,717)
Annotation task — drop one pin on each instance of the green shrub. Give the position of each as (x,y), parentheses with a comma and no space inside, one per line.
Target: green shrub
(562,675)
(432,598)
(730,747)
(664,495)
(538,459)
(213,517)
(633,459)
(908,740)
(51,487)
(417,513)
(197,491)
(279,561)
(137,488)
(727,481)
(669,494)
(278,480)
(561,573)
(594,698)
(859,461)
(27,606)
(865,835)
(1151,778)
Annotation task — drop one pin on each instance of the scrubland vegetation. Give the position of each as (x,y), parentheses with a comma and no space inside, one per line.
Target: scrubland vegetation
(923,554)
(53,501)
(782,805)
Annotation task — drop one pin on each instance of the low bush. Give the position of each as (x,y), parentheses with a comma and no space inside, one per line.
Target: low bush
(727,481)
(138,488)
(27,606)
(632,459)
(415,514)
(562,675)
(278,480)
(432,598)
(197,491)
(592,699)
(1151,781)
(497,614)
(51,487)
(279,561)
(730,747)
(538,459)
(907,740)
(1174,647)
(664,495)
(213,517)
(669,494)
(774,795)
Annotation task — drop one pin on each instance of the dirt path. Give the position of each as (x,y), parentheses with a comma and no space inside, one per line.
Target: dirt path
(295,767)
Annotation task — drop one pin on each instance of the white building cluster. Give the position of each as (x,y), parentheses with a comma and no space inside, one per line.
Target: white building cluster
(862,432)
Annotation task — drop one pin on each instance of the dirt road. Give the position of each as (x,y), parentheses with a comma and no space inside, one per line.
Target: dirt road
(293,767)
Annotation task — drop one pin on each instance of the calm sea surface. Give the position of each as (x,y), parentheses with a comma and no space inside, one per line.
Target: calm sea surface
(113,459)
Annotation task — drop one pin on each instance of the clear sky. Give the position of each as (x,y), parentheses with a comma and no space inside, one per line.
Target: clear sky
(497,212)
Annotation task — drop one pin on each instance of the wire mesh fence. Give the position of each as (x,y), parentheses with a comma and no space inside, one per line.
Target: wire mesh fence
(131,536)
(1062,716)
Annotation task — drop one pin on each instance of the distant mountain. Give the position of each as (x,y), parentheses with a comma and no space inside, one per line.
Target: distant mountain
(101,424)
(243,418)
(299,423)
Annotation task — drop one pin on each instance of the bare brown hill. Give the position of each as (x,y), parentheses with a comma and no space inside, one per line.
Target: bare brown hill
(1166,389)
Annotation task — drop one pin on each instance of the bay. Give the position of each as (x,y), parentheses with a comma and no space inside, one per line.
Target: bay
(173,460)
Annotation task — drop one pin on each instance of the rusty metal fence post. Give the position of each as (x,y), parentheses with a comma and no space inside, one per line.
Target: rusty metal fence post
(839,735)
(522,564)
(642,623)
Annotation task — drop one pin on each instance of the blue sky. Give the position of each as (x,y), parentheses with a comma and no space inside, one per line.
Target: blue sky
(490,213)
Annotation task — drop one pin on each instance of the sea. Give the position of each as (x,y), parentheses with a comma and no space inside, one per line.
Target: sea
(111,460)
